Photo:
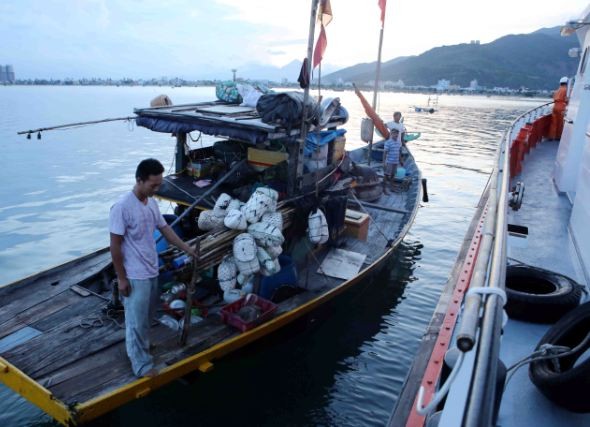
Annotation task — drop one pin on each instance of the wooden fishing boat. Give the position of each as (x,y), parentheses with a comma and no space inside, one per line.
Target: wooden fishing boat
(515,297)
(62,339)
(63,352)
(62,342)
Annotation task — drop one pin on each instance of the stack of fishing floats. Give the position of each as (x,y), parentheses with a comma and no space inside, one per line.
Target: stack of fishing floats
(243,238)
(256,250)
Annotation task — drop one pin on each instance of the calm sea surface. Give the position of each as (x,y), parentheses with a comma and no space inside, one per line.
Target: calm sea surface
(344,369)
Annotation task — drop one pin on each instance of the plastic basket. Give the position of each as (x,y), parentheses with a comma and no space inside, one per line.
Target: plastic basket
(229,312)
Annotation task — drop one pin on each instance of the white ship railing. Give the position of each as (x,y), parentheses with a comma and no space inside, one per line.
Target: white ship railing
(482,328)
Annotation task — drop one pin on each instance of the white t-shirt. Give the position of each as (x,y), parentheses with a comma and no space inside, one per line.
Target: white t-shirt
(136,222)
(399,126)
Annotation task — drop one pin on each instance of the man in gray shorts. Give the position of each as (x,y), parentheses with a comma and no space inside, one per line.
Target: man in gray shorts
(132,222)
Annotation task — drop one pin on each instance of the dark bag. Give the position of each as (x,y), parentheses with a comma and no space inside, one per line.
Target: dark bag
(285,109)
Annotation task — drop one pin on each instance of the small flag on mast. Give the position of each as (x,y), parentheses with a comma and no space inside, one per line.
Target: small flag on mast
(325,17)
(382,4)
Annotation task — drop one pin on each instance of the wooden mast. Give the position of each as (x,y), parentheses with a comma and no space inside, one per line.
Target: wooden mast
(377,78)
(297,184)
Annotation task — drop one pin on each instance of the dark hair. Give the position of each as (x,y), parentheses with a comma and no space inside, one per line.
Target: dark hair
(148,167)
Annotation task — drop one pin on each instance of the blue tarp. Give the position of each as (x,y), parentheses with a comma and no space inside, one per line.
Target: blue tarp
(316,140)
(209,128)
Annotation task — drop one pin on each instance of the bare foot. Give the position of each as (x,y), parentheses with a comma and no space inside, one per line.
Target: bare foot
(151,373)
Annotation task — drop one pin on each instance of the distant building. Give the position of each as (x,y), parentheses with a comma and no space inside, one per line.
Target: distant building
(394,85)
(473,86)
(474,42)
(7,74)
(443,85)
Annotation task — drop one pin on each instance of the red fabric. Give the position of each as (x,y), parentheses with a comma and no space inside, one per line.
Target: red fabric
(382,4)
(325,17)
(320,47)
(325,14)
(383,130)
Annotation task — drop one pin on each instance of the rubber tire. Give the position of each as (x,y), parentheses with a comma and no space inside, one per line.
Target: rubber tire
(570,387)
(539,296)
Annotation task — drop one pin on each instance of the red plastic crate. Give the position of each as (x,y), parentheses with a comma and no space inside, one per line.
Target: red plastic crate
(229,316)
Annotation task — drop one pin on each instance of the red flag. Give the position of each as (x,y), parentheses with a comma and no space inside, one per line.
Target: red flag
(325,17)
(382,4)
(320,48)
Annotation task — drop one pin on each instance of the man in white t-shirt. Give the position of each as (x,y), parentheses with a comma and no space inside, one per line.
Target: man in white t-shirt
(132,222)
(398,125)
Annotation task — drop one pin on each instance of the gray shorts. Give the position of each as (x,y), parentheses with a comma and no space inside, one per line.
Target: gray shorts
(389,169)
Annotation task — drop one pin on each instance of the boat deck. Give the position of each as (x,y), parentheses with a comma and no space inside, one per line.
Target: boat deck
(49,332)
(546,214)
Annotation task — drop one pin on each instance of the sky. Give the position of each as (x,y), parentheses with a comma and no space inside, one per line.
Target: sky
(196,39)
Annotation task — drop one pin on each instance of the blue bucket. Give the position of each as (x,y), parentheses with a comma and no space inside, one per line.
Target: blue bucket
(400,173)
(287,276)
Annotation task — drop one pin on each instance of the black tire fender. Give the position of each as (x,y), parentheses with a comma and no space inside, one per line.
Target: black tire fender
(568,386)
(538,295)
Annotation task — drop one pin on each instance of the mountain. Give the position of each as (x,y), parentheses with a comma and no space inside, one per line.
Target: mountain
(536,61)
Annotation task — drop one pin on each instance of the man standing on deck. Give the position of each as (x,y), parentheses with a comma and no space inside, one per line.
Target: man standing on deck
(560,102)
(391,153)
(132,222)
(397,124)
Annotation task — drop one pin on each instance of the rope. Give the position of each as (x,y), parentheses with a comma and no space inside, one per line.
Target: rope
(98,321)
(546,351)
(180,189)
(389,241)
(441,393)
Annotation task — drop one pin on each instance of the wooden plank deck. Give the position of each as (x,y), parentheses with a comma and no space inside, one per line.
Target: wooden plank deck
(77,364)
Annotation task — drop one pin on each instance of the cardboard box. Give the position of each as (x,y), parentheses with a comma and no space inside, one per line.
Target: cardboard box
(262,159)
(356,224)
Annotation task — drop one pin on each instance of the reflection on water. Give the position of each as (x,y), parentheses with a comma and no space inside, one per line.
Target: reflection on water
(347,366)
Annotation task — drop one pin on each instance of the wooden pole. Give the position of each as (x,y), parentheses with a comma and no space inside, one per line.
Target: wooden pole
(181,160)
(304,125)
(205,194)
(190,291)
(72,125)
(376,87)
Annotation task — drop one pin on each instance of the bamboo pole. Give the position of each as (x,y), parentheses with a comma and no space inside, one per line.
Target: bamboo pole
(304,125)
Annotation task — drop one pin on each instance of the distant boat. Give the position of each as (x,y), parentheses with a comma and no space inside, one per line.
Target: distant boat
(424,109)
(431,103)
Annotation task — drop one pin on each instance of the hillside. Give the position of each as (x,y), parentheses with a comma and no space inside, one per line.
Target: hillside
(536,61)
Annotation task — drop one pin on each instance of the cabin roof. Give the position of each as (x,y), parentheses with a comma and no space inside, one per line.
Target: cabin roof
(216,118)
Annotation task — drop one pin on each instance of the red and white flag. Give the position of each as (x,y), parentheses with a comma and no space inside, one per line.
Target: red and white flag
(325,17)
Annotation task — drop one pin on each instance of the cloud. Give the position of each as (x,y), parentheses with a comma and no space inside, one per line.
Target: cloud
(187,38)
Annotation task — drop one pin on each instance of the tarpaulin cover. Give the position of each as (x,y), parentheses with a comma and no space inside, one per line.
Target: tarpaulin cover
(208,127)
(316,140)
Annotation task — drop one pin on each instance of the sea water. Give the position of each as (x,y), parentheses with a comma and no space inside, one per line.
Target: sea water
(347,363)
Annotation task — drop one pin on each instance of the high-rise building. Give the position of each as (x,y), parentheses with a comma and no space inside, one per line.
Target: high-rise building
(10,74)
(7,74)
